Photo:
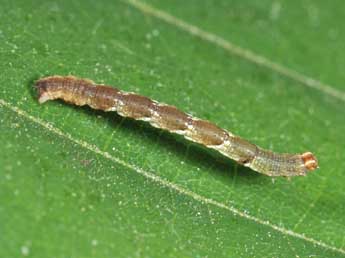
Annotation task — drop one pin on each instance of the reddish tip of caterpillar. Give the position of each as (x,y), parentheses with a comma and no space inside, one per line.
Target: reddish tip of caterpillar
(310,161)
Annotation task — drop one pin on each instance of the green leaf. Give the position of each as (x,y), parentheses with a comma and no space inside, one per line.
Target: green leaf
(75,182)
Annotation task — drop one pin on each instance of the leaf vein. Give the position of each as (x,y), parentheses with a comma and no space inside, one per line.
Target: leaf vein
(237,50)
(165,183)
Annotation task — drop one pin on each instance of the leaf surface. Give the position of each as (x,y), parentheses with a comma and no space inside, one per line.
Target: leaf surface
(82,183)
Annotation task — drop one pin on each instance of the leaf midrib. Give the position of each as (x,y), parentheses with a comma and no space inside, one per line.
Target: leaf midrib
(164,182)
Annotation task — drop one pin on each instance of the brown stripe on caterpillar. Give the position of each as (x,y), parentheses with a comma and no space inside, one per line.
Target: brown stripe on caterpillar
(85,92)
(204,132)
(170,118)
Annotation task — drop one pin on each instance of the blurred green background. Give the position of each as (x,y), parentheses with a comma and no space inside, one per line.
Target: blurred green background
(75,182)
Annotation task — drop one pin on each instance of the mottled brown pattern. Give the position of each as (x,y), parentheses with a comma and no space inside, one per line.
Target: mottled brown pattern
(85,92)
(104,98)
(245,150)
(206,133)
(136,106)
(170,118)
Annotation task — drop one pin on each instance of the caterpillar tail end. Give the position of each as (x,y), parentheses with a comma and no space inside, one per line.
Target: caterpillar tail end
(310,161)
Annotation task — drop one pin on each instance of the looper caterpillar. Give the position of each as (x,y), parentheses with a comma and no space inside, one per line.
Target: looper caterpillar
(85,92)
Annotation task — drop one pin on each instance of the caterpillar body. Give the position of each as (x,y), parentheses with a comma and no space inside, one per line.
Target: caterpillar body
(81,92)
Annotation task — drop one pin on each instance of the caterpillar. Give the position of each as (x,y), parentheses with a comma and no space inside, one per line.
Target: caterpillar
(81,92)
